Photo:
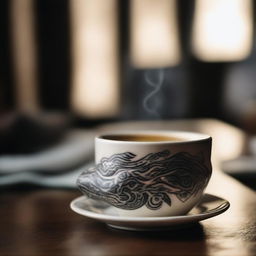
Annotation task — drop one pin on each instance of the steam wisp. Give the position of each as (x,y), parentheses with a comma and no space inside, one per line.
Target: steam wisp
(155,79)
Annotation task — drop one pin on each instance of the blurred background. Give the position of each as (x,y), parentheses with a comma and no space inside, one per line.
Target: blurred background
(82,63)
(112,60)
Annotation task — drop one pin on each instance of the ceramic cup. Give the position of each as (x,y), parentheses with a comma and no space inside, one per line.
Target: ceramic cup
(149,173)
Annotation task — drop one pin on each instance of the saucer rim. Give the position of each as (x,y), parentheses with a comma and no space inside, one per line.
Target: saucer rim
(222,207)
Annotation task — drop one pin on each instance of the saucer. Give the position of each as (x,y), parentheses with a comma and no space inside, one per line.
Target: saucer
(208,207)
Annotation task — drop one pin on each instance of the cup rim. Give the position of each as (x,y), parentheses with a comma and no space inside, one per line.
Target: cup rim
(188,136)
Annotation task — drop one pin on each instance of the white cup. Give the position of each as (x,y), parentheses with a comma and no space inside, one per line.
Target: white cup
(149,173)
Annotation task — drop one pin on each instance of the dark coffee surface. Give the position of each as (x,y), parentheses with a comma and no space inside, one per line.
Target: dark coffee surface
(143,137)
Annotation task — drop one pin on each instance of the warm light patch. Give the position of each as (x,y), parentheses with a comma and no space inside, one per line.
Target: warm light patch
(24,54)
(222,29)
(95,62)
(228,141)
(154,36)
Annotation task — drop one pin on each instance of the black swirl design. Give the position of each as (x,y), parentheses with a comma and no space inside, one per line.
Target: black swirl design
(127,183)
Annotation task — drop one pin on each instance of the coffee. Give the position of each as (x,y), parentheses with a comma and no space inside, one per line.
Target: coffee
(143,137)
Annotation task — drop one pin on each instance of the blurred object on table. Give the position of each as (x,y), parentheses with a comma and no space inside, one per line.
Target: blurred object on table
(74,149)
(42,149)
(23,133)
(57,166)
(243,167)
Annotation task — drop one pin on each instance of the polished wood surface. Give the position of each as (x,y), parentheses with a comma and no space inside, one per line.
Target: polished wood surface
(40,222)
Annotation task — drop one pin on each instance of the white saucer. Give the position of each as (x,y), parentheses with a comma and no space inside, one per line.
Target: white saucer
(209,206)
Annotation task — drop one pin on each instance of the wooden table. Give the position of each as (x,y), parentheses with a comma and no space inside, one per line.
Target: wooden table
(40,222)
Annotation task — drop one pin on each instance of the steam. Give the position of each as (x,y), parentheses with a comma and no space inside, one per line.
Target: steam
(155,79)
